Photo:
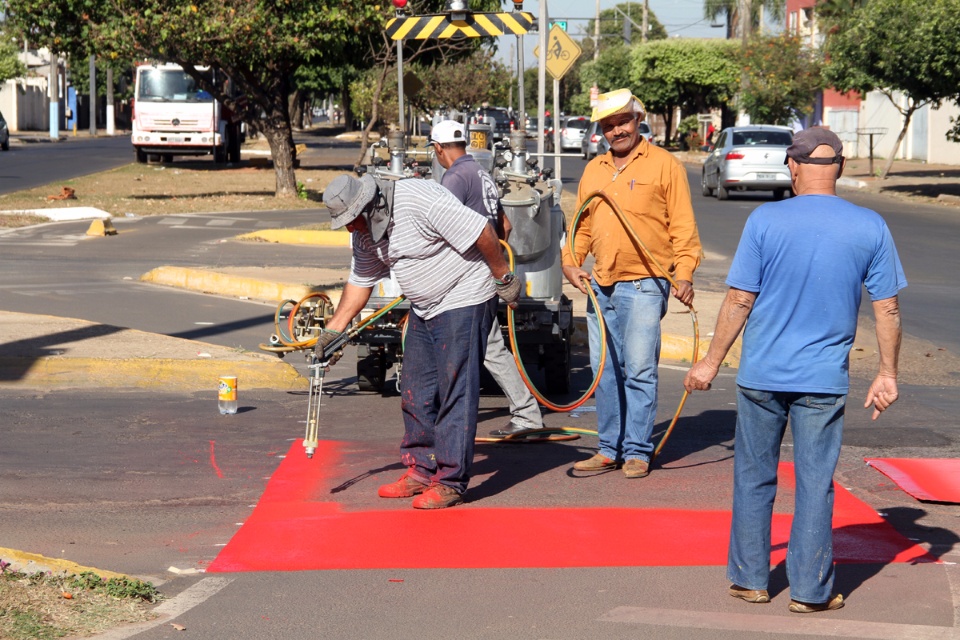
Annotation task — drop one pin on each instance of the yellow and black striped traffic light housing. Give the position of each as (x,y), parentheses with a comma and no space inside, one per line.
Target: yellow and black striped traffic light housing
(475,25)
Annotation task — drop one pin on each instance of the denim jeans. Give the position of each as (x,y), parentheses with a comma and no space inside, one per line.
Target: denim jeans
(440,389)
(816,423)
(627,393)
(524,410)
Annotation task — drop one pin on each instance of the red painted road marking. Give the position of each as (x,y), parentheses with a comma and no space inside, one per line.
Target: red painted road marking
(294,529)
(935,479)
(213,460)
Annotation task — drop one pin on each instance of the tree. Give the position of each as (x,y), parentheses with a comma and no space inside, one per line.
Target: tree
(908,47)
(783,78)
(692,75)
(730,11)
(259,44)
(10,65)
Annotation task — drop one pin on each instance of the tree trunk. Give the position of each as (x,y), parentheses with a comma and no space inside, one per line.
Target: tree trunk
(283,151)
(295,106)
(374,116)
(907,115)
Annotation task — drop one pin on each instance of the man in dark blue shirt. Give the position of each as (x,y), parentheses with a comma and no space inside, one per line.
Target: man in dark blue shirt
(474,187)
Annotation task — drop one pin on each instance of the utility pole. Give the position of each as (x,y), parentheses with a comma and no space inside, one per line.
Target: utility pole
(111,127)
(543,27)
(596,33)
(93,95)
(53,91)
(646,20)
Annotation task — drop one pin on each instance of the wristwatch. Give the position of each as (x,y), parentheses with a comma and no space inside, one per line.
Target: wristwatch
(506,279)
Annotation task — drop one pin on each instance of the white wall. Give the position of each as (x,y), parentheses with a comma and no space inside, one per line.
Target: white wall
(25,105)
(876,111)
(942,151)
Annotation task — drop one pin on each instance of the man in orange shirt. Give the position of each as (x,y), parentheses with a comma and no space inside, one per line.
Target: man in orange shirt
(650,187)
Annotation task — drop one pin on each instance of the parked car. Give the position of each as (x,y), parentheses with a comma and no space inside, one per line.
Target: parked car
(748,158)
(603,146)
(572,132)
(498,117)
(4,134)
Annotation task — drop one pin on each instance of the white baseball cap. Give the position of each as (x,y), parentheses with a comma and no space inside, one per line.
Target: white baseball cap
(447,131)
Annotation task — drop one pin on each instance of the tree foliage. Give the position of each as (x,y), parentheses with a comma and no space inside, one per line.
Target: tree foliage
(259,44)
(692,75)
(783,78)
(10,65)
(908,47)
(612,27)
(730,11)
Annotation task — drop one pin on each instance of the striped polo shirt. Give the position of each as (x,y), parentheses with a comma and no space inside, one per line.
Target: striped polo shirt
(429,246)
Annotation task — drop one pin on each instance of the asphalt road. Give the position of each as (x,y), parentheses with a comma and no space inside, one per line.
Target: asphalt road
(138,482)
(32,164)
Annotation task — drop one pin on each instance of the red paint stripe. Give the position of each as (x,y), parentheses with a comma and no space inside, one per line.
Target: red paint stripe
(934,479)
(293,528)
(213,459)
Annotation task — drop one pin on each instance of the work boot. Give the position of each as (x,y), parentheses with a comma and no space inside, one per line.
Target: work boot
(633,468)
(598,462)
(836,602)
(757,596)
(438,496)
(405,487)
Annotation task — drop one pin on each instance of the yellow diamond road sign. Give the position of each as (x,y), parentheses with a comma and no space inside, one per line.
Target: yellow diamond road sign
(562,52)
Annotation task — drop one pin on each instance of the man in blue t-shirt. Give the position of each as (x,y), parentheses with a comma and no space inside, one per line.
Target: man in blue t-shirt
(473,186)
(796,282)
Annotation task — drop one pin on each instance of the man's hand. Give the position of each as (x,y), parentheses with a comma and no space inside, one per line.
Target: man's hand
(700,376)
(323,340)
(573,275)
(508,288)
(683,292)
(882,393)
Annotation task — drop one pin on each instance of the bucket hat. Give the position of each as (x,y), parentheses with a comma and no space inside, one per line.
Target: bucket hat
(346,197)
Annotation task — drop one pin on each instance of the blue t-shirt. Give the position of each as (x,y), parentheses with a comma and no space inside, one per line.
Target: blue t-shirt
(472,186)
(807,258)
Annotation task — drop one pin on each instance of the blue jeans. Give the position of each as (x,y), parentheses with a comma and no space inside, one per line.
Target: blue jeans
(816,422)
(440,389)
(627,394)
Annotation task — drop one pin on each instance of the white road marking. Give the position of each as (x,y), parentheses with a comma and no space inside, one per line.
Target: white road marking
(778,626)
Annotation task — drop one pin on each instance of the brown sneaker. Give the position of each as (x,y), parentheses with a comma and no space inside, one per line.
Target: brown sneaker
(836,602)
(438,496)
(405,487)
(757,596)
(598,462)
(633,468)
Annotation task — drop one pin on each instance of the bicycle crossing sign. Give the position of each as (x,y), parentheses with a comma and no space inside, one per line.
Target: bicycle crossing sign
(562,52)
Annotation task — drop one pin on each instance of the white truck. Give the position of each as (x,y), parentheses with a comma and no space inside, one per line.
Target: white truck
(172,116)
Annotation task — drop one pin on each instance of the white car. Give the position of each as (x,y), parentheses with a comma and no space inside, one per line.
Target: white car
(572,132)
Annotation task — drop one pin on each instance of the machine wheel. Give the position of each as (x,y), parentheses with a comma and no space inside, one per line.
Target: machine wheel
(556,368)
(167,158)
(141,155)
(722,193)
(707,191)
(371,369)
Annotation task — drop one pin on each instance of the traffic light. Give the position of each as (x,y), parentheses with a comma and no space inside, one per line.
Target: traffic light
(400,4)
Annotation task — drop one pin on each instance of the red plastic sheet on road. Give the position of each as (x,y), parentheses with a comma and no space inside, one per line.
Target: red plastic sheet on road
(931,479)
(293,528)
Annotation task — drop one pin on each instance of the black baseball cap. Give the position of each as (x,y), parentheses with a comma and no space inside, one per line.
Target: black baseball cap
(804,142)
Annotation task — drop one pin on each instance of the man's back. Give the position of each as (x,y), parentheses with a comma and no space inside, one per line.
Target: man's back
(807,258)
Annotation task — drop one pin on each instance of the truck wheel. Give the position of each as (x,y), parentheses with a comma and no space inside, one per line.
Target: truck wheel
(141,155)
(556,369)
(371,369)
(233,147)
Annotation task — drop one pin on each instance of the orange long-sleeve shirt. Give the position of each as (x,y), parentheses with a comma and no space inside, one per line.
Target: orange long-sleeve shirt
(654,195)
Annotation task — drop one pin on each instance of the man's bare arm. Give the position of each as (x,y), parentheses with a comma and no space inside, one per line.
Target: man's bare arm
(733,315)
(883,391)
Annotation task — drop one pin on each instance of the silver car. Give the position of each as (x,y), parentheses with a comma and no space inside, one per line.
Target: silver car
(571,135)
(748,158)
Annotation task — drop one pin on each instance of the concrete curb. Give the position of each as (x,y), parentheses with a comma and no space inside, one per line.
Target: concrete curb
(35,563)
(145,373)
(212,282)
(675,347)
(294,236)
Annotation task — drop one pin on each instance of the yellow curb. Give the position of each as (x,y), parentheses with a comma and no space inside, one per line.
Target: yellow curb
(227,285)
(295,236)
(33,563)
(145,373)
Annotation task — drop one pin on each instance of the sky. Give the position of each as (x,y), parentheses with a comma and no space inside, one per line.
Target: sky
(682,18)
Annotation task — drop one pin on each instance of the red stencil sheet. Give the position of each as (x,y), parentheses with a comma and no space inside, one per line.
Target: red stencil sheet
(295,527)
(932,479)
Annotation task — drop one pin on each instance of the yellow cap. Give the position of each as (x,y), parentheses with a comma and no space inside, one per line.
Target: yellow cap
(614,102)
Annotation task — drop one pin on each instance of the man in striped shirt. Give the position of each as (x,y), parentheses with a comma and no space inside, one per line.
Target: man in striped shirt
(443,255)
